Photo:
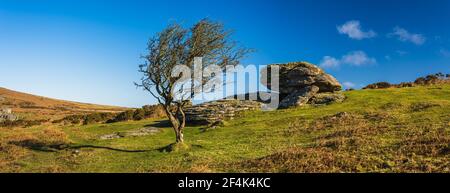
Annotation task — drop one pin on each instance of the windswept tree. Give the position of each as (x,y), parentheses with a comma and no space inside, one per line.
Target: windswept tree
(176,46)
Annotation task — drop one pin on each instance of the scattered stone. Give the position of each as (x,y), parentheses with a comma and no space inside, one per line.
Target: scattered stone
(211,112)
(76,153)
(7,111)
(140,132)
(110,136)
(133,133)
(7,115)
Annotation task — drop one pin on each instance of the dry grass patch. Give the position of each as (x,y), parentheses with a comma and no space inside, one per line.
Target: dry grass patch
(18,146)
(351,142)
(422,106)
(48,139)
(426,141)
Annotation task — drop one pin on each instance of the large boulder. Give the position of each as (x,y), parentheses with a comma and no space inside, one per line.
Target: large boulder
(298,75)
(301,83)
(299,97)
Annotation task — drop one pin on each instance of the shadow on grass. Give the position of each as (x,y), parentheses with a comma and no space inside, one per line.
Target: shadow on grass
(167,124)
(39,146)
(160,124)
(108,148)
(43,147)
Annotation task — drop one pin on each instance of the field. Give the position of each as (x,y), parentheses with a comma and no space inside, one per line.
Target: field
(385,130)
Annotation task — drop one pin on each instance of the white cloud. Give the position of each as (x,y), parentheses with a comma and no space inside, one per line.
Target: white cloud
(405,36)
(329,62)
(358,58)
(354,31)
(401,52)
(354,58)
(444,52)
(349,84)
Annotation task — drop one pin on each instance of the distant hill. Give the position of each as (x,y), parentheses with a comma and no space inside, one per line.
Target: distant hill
(34,107)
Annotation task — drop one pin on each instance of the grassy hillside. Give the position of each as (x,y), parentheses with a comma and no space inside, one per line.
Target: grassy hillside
(38,107)
(389,130)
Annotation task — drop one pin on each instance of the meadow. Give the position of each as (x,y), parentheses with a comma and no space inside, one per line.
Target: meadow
(382,130)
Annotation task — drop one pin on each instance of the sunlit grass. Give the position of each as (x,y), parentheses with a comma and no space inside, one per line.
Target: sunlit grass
(389,125)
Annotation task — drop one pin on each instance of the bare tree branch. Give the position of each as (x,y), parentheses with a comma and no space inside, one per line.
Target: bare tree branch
(177,46)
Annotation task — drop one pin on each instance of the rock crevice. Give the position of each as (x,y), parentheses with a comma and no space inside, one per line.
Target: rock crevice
(301,83)
(214,111)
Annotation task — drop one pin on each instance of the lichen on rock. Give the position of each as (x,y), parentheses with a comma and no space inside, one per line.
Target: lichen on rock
(211,112)
(301,83)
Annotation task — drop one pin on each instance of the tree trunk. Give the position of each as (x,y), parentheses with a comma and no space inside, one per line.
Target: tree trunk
(175,124)
(178,123)
(182,123)
(179,136)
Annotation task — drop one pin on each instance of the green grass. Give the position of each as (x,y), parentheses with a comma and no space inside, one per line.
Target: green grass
(389,130)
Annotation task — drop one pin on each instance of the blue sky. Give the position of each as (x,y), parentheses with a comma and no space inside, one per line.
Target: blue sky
(88,50)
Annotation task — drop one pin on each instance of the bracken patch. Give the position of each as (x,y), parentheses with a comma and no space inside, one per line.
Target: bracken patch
(422,106)
(426,141)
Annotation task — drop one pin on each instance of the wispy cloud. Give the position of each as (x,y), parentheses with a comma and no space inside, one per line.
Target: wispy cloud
(444,52)
(349,84)
(358,58)
(354,58)
(401,52)
(353,30)
(329,62)
(405,36)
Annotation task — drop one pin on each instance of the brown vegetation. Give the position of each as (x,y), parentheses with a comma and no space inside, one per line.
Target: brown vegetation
(14,148)
(438,78)
(146,112)
(34,107)
(350,143)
